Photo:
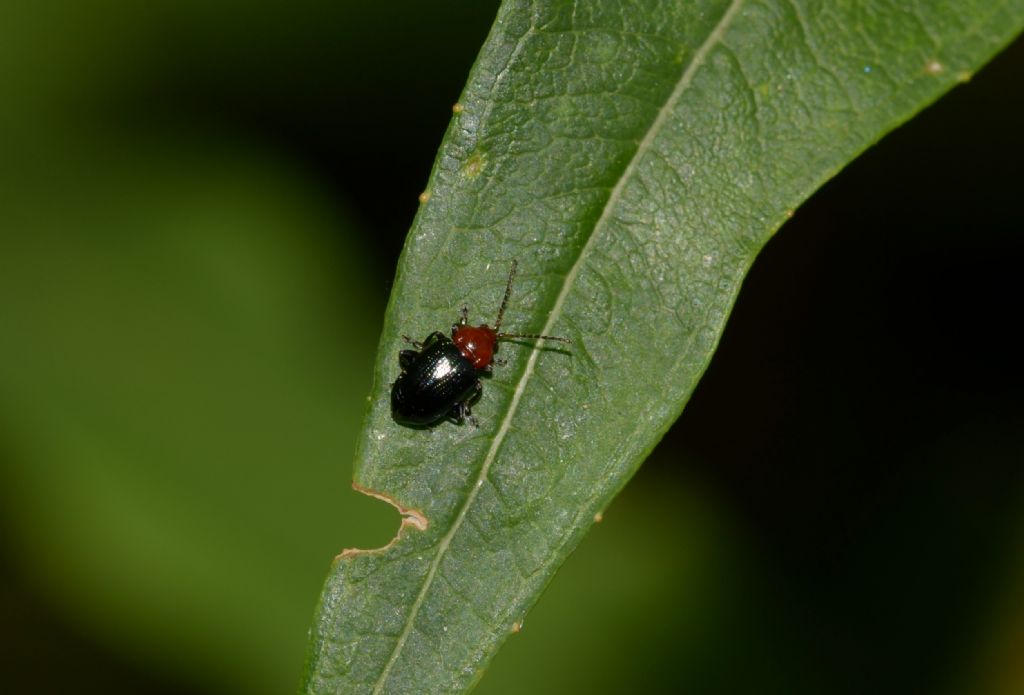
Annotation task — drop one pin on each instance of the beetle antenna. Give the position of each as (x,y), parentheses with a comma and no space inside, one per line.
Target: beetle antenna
(508,291)
(533,336)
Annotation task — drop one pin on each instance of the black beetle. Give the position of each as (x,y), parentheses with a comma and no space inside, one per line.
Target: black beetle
(441,377)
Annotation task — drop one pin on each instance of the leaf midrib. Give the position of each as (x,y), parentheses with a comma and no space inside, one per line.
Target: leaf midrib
(570,278)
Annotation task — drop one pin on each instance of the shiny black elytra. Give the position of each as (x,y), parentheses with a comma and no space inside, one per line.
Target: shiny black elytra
(441,377)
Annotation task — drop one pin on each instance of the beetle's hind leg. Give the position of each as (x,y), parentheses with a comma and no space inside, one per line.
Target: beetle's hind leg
(405,358)
(462,413)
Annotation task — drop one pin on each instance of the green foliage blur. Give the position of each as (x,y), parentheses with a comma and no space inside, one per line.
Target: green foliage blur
(201,205)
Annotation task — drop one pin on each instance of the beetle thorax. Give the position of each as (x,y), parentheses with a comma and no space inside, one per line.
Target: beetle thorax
(476,343)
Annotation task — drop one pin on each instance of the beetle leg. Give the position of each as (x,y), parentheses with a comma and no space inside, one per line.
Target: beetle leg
(489,369)
(461,411)
(458,413)
(430,339)
(465,315)
(405,358)
(466,414)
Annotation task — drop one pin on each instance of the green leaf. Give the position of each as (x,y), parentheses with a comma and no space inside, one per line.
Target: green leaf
(634,160)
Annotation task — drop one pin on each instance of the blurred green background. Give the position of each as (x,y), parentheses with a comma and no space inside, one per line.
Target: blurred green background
(201,206)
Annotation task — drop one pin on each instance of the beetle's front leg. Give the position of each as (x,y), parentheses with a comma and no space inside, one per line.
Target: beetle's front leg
(426,341)
(463,320)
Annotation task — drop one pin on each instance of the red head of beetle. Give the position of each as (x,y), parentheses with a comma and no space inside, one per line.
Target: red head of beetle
(478,343)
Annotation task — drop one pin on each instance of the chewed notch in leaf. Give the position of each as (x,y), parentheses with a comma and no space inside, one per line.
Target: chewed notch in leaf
(410,517)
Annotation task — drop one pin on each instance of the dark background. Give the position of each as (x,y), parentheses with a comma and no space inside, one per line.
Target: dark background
(838,509)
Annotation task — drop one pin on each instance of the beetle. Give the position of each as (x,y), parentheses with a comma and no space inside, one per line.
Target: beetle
(441,377)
